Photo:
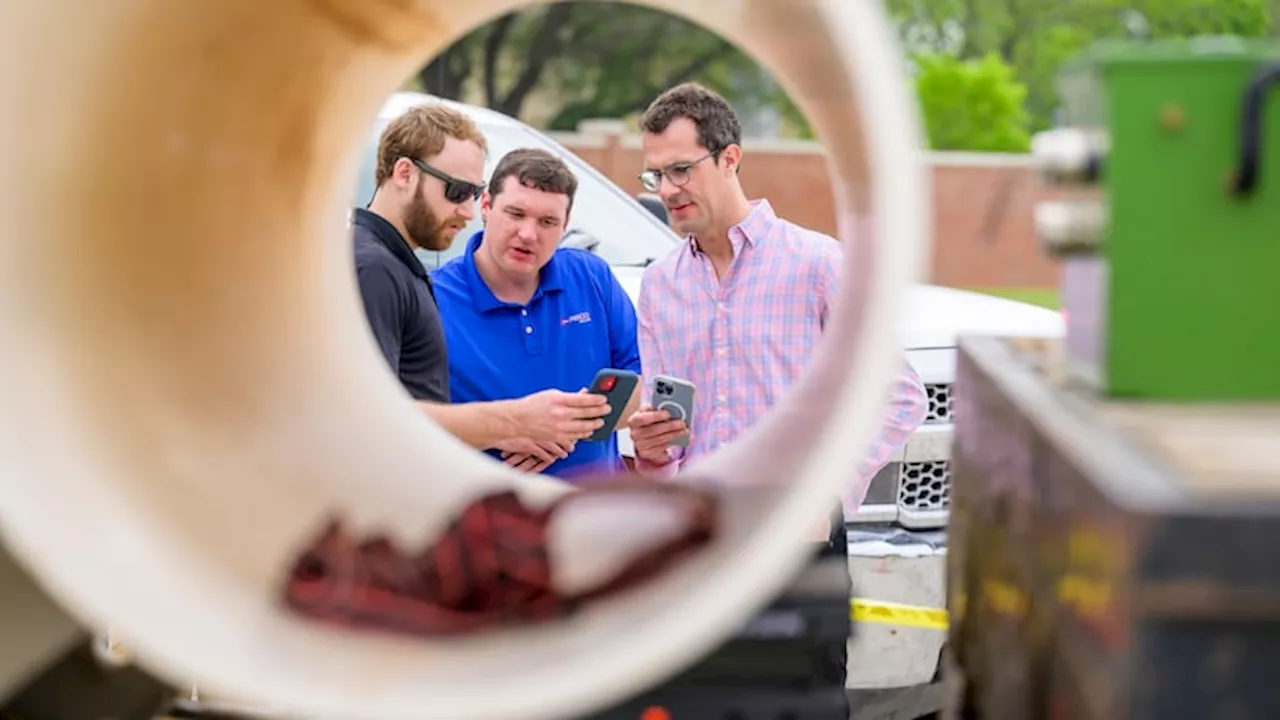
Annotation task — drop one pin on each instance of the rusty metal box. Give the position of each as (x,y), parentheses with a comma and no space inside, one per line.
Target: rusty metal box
(1109,560)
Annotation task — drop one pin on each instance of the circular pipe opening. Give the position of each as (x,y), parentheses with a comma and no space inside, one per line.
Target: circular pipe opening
(190,388)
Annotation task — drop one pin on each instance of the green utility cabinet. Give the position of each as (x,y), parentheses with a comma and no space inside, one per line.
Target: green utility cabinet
(1167,218)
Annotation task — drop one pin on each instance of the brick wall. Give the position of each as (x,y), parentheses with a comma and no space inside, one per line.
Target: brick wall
(982,204)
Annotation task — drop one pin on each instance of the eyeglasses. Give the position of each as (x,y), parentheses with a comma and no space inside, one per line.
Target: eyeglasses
(455,191)
(677,173)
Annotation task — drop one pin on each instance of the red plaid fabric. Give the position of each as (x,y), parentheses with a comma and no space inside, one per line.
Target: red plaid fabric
(490,567)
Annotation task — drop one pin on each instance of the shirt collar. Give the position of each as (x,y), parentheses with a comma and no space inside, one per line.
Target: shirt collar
(389,237)
(750,231)
(483,299)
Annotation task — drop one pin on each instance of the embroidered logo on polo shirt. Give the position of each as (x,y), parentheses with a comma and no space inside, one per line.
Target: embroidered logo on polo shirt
(576,319)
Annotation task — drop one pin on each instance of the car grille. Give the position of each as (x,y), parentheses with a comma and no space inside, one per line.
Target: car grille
(939,403)
(924,485)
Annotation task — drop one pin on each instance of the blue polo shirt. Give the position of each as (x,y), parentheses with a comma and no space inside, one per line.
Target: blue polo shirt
(579,321)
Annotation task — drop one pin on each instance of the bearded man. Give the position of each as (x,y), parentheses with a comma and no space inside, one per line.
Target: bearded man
(430,171)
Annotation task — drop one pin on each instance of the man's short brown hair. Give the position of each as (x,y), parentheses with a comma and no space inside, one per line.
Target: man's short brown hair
(717,123)
(421,133)
(535,168)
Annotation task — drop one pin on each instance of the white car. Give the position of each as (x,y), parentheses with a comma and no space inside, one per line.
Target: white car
(897,546)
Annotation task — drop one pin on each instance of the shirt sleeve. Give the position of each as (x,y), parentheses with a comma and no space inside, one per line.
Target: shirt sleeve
(907,406)
(829,271)
(384,309)
(651,364)
(647,337)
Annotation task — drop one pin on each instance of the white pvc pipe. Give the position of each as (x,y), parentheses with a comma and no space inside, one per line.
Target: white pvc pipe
(189,386)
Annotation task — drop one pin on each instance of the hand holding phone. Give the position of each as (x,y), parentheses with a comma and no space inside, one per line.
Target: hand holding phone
(616,386)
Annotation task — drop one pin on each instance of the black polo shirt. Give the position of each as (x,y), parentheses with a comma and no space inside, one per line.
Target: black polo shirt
(401,307)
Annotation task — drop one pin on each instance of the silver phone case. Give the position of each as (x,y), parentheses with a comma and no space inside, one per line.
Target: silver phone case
(676,397)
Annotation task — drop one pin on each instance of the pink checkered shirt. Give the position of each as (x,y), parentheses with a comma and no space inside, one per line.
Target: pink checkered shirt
(745,341)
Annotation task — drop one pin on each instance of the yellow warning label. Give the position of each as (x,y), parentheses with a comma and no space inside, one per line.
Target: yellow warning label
(886,613)
(1087,597)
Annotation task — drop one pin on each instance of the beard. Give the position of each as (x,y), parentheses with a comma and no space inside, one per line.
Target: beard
(424,228)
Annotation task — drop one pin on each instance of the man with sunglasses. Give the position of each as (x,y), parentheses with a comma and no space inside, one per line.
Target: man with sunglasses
(430,166)
(522,313)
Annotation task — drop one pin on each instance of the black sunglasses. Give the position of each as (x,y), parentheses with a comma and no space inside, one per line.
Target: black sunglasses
(455,191)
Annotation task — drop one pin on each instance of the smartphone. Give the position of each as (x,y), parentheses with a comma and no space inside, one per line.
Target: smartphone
(616,386)
(676,397)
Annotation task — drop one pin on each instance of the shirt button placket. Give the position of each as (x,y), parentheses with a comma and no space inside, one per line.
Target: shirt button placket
(722,374)
(527,324)
(721,335)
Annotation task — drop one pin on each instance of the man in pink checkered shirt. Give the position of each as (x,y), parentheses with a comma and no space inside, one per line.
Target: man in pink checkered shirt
(739,308)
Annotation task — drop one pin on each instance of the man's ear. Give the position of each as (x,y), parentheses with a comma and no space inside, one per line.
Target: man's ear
(731,158)
(403,171)
(486,203)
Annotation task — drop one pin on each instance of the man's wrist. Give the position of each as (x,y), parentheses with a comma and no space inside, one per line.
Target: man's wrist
(653,462)
(664,469)
(504,419)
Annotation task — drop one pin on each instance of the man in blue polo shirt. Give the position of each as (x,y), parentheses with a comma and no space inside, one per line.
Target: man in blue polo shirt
(430,170)
(522,314)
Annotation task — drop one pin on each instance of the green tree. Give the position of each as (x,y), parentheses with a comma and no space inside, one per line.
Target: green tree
(633,55)
(592,59)
(1035,36)
(506,58)
(972,104)
(585,59)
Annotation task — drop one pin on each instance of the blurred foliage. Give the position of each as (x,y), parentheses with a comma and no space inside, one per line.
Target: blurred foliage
(588,59)
(972,104)
(1035,36)
(985,69)
(976,105)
